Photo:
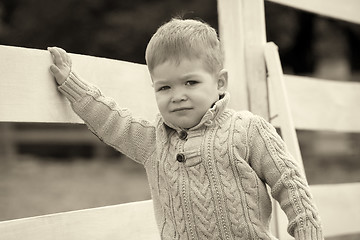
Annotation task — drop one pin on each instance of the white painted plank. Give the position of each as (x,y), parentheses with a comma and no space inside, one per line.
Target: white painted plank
(242,32)
(276,83)
(131,221)
(231,30)
(339,209)
(28,92)
(253,19)
(347,10)
(318,104)
(286,123)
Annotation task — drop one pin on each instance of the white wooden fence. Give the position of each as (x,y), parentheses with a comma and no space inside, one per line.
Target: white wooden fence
(28,94)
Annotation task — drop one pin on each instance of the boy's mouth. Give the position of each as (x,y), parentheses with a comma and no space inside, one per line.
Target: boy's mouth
(180,109)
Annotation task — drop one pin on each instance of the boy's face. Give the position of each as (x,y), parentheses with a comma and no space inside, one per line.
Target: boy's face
(185,91)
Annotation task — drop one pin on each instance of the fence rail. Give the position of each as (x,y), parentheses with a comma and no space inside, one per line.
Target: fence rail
(28,91)
(347,10)
(131,221)
(323,105)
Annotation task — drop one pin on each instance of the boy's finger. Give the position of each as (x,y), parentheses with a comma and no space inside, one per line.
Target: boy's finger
(59,77)
(54,69)
(56,54)
(65,56)
(51,53)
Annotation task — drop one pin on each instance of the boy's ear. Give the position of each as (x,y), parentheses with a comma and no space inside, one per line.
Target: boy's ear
(222,81)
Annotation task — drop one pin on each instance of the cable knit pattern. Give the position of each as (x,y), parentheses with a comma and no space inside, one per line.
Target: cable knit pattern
(203,207)
(210,184)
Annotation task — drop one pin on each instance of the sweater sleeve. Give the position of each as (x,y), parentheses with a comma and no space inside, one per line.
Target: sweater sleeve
(274,164)
(114,126)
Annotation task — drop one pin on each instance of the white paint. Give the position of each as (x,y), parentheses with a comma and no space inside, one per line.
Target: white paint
(131,221)
(28,92)
(347,10)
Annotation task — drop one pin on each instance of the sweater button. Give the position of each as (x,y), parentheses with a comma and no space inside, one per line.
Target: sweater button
(180,157)
(183,135)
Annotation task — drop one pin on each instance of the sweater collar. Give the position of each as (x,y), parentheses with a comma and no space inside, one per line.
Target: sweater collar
(210,115)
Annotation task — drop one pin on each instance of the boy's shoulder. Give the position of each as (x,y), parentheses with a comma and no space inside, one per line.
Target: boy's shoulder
(245,114)
(246,117)
(251,120)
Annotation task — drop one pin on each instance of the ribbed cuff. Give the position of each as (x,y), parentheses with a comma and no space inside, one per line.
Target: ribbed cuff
(73,88)
(311,233)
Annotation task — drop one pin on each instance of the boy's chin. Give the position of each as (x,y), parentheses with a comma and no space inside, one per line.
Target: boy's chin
(182,122)
(185,125)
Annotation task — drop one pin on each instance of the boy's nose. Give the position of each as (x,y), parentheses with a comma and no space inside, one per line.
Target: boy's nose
(179,96)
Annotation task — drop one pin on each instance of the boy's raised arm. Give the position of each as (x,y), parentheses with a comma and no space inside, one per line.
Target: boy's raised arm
(114,126)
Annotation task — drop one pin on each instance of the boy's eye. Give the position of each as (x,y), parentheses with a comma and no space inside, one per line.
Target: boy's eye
(163,88)
(191,82)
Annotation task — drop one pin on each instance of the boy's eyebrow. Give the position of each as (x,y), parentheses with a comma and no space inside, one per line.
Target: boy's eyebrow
(189,75)
(160,82)
(184,77)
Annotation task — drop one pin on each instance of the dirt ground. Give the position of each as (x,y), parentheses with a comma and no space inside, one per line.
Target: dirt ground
(31,187)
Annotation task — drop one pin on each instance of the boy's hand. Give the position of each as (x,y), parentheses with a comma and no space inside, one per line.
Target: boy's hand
(62,64)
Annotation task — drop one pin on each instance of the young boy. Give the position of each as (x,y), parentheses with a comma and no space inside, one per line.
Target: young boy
(207,165)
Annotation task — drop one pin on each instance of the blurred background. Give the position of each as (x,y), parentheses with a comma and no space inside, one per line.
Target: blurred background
(62,167)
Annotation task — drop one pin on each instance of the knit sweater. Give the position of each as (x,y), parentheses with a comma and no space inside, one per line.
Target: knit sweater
(208,182)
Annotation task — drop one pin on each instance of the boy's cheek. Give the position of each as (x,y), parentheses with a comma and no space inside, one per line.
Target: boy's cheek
(160,101)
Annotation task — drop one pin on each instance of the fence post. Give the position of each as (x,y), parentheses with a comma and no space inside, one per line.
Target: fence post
(242,30)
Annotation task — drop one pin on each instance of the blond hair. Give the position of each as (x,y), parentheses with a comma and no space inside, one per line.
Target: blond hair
(189,39)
